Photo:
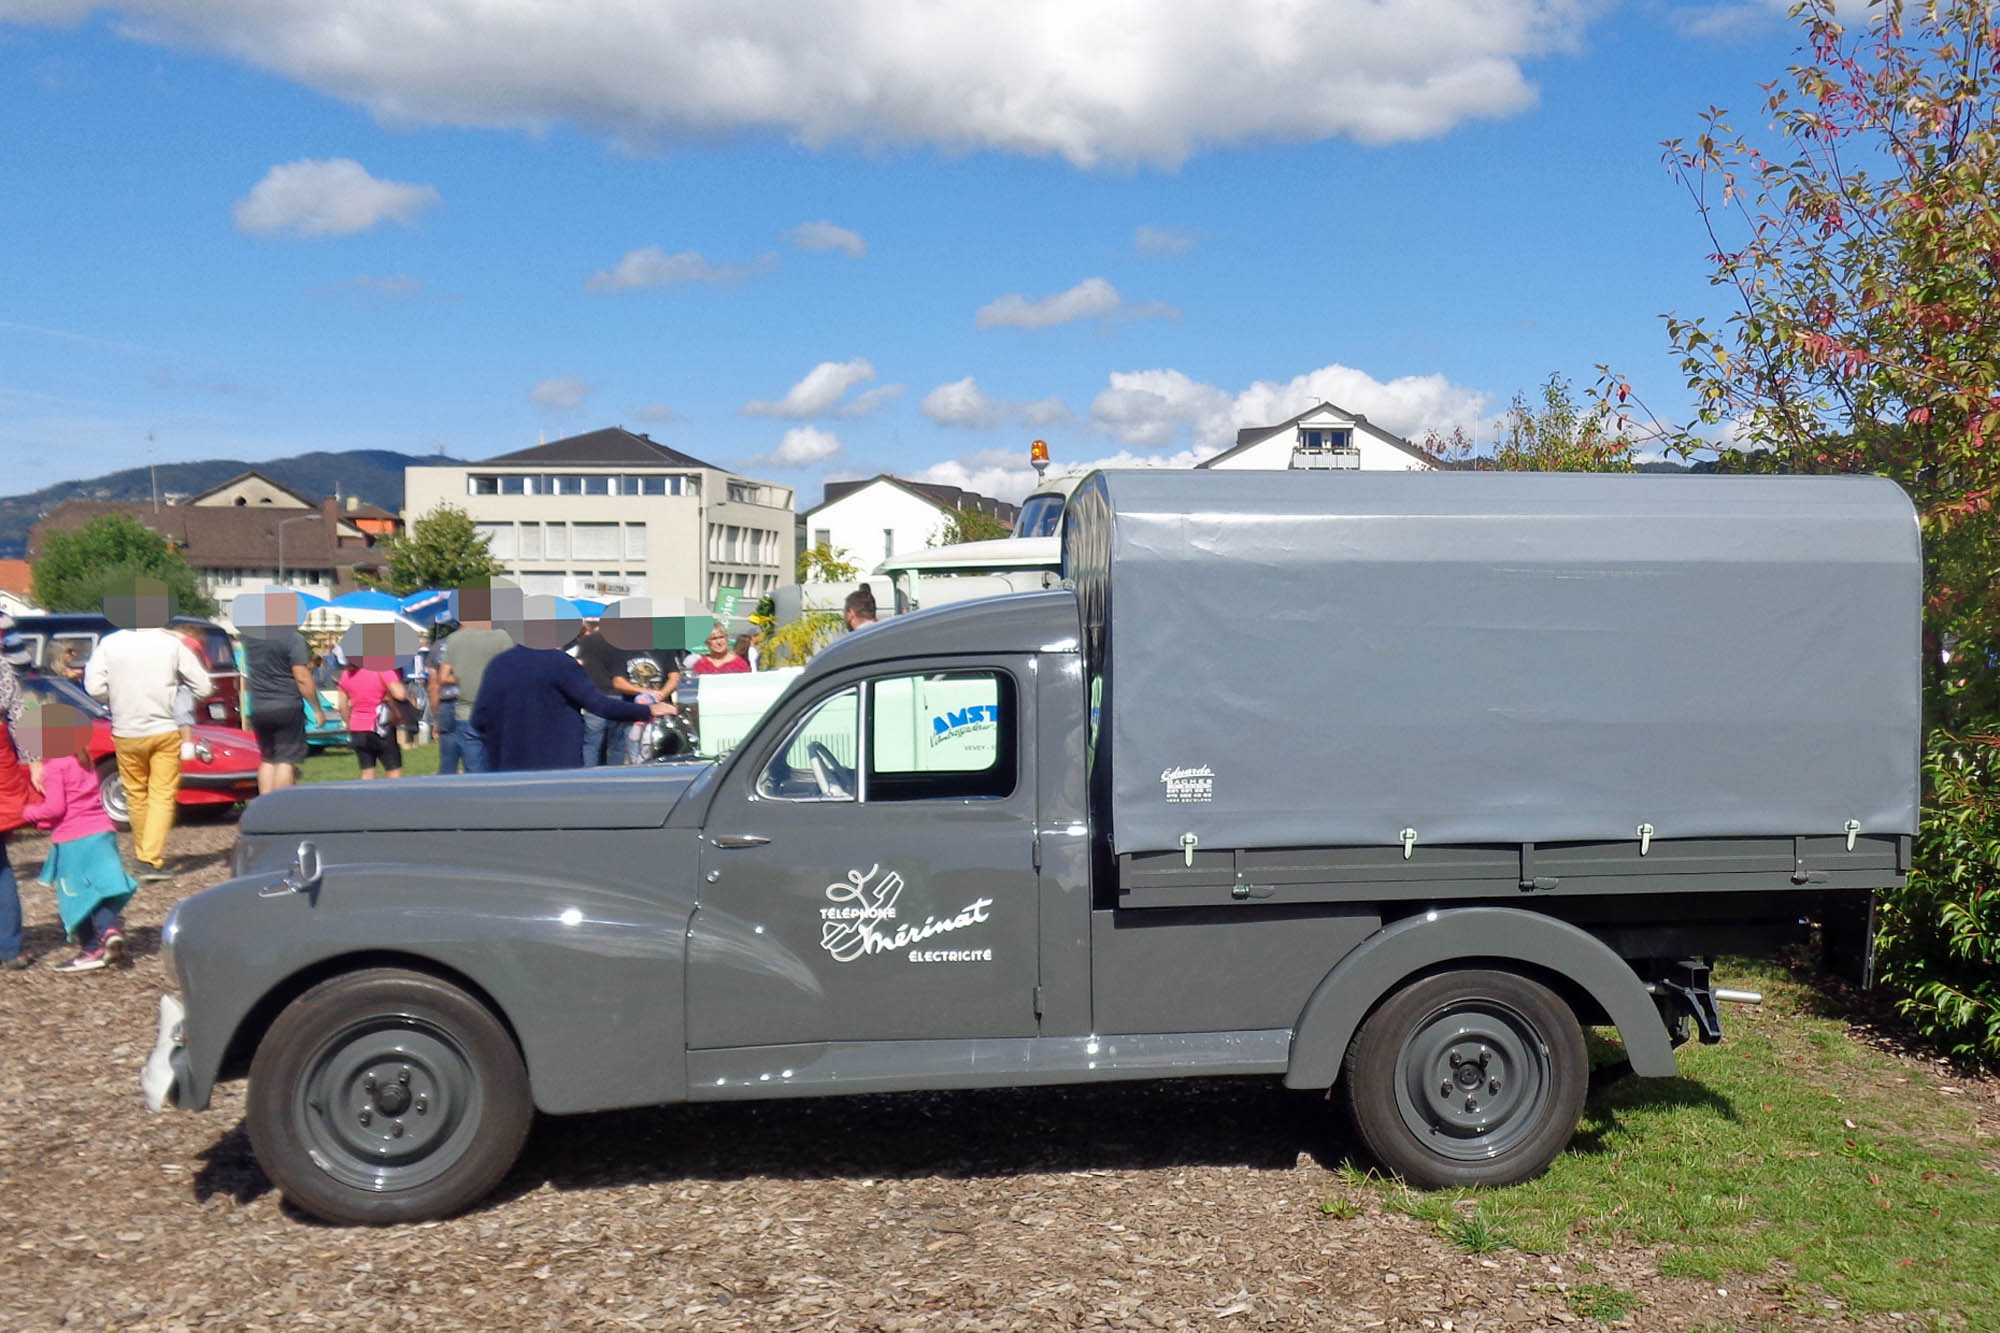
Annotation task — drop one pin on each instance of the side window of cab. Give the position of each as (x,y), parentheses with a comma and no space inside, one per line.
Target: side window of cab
(935,735)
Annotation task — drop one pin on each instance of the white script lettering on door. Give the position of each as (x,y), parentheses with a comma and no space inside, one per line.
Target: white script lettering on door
(855,925)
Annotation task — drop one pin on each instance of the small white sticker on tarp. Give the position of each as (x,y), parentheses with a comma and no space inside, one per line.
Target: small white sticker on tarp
(1188,786)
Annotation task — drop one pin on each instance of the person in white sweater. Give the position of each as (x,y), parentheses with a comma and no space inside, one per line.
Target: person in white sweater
(137,672)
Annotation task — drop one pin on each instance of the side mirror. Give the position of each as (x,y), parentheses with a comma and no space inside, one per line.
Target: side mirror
(304,875)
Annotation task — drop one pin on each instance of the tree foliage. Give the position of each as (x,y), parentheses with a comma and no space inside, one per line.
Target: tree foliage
(1939,942)
(969,525)
(826,563)
(1549,433)
(794,644)
(1860,252)
(443,549)
(79,568)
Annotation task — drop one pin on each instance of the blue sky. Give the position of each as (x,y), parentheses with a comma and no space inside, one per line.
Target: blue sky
(813,242)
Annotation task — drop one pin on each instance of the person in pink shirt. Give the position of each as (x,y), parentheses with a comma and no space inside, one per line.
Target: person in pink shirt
(91,883)
(371,729)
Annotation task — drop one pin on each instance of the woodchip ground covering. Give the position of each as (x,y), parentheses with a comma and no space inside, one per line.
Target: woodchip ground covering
(1211,1205)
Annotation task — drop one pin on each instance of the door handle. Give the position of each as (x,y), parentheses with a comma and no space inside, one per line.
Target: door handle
(730,841)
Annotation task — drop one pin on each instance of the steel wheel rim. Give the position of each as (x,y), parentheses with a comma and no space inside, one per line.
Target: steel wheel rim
(111,791)
(1473,1080)
(391,1102)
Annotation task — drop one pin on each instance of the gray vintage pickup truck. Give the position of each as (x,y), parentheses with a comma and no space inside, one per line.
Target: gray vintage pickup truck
(1503,757)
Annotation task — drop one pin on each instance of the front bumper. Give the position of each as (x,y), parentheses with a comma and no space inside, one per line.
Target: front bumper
(165,1077)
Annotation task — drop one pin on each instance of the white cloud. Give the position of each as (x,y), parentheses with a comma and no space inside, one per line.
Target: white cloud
(561,392)
(654,267)
(960,403)
(818,237)
(1153,409)
(874,400)
(819,393)
(1048,411)
(804,446)
(658,412)
(1730,19)
(1166,418)
(328,197)
(1007,475)
(1113,82)
(1151,240)
(1093,298)
(964,403)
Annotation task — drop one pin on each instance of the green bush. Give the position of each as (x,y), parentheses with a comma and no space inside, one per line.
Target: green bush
(1939,938)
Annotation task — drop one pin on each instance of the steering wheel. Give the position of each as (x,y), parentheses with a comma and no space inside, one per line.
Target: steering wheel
(833,777)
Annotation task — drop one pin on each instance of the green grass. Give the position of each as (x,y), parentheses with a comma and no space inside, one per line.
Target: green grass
(335,764)
(1596,1300)
(1790,1150)
(1477,1232)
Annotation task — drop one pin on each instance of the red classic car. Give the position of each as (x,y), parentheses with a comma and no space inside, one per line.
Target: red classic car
(223,772)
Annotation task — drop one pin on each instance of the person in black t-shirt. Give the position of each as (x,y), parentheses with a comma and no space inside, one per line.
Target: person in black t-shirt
(594,651)
(625,672)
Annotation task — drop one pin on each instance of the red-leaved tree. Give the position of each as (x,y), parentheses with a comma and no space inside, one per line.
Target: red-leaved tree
(1859,243)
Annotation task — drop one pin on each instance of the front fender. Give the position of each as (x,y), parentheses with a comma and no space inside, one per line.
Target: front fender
(1470,936)
(589,976)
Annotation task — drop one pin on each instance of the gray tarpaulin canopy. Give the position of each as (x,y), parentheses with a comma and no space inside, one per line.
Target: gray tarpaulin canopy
(1304,658)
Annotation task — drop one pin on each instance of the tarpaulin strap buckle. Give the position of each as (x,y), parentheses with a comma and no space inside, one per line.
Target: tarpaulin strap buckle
(1853,827)
(1409,841)
(1645,838)
(1188,843)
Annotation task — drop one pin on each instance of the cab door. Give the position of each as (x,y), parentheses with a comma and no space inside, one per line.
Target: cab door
(870,874)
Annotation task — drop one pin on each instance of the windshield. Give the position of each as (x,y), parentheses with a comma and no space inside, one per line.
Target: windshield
(51,687)
(1039,516)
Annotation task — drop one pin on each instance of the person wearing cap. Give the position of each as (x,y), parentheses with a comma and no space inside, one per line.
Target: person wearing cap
(18,757)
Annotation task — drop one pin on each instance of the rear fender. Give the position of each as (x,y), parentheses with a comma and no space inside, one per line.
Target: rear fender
(1472,936)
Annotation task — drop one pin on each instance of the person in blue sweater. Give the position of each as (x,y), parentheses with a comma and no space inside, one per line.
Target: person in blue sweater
(528,709)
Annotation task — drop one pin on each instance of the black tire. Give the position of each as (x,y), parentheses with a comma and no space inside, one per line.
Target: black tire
(111,793)
(387,1096)
(1411,1071)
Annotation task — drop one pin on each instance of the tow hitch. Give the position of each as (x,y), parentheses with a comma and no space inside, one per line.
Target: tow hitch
(1686,991)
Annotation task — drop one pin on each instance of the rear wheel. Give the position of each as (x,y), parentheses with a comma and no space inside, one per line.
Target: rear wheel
(387,1096)
(1467,1078)
(111,791)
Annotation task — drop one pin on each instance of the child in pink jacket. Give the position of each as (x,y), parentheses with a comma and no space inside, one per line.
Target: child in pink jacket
(84,868)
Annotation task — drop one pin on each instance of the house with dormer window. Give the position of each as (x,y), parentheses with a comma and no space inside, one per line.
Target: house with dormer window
(1322,438)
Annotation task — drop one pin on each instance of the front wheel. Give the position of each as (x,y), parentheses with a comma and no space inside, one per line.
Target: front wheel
(1467,1078)
(387,1096)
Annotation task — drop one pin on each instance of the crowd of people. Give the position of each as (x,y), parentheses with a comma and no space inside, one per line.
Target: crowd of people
(561,696)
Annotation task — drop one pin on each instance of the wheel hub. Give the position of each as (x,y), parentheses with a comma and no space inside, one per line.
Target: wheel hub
(1472,1080)
(388,1107)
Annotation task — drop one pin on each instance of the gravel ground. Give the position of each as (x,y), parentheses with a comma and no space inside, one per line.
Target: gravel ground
(1169,1205)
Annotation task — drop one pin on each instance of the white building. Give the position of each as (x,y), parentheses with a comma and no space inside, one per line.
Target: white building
(1322,437)
(611,513)
(884,516)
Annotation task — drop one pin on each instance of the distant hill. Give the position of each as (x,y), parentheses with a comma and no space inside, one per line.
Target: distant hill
(374,475)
